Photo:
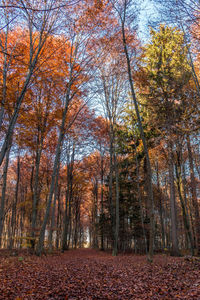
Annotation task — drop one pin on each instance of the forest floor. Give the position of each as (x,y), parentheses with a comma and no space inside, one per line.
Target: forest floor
(89,274)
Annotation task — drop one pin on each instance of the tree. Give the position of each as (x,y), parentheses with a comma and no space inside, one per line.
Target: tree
(167,71)
(122,9)
(39,28)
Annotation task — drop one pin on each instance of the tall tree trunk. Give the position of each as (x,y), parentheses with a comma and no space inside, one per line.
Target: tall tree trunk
(76,222)
(3,195)
(53,211)
(115,249)
(5,70)
(14,206)
(150,188)
(184,212)
(102,208)
(160,209)
(94,213)
(188,204)
(194,196)
(111,186)
(174,234)
(35,196)
(68,197)
(58,221)
(40,244)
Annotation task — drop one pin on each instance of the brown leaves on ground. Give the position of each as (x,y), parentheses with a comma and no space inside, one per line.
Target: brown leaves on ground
(89,274)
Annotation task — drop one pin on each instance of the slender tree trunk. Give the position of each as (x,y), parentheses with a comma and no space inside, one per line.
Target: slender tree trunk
(3,195)
(115,249)
(14,206)
(35,196)
(140,200)
(194,196)
(174,234)
(67,213)
(111,186)
(68,99)
(94,213)
(5,70)
(70,215)
(56,161)
(185,216)
(161,210)
(102,208)
(76,225)
(70,231)
(150,188)
(58,221)
(53,211)
(188,205)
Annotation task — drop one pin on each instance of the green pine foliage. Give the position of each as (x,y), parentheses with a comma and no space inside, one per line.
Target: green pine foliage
(167,71)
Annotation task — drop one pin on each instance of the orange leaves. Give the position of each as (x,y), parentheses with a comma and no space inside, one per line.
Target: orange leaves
(42,108)
(88,274)
(94,15)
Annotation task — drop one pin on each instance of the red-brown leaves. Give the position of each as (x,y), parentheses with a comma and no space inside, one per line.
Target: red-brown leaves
(87,274)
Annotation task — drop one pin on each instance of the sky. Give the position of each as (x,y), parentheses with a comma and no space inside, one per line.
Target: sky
(148,16)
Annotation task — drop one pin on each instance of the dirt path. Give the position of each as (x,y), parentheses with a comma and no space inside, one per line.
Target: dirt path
(88,274)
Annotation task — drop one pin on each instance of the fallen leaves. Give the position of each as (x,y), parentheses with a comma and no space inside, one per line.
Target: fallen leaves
(89,274)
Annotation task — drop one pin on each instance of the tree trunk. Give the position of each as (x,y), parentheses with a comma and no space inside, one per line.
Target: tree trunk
(58,221)
(111,186)
(13,120)
(53,177)
(115,249)
(14,206)
(160,210)
(53,211)
(68,198)
(150,189)
(5,70)
(194,196)
(185,216)
(94,213)
(102,208)
(35,196)
(3,195)
(174,234)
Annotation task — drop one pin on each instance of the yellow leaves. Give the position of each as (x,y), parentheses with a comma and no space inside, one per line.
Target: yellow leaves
(140,147)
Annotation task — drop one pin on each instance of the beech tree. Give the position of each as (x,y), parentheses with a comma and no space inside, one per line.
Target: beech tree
(39,28)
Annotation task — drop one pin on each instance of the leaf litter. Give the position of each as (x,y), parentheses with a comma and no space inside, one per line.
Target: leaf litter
(89,274)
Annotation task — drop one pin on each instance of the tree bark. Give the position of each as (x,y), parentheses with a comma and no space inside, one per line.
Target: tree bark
(53,177)
(161,210)
(68,198)
(102,206)
(184,211)
(115,249)
(53,211)
(3,195)
(150,188)
(194,196)
(14,206)
(174,234)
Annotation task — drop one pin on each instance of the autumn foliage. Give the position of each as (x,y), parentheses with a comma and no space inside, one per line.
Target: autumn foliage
(99,148)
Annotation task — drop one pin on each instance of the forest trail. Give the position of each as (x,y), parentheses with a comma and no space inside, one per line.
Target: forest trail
(89,274)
